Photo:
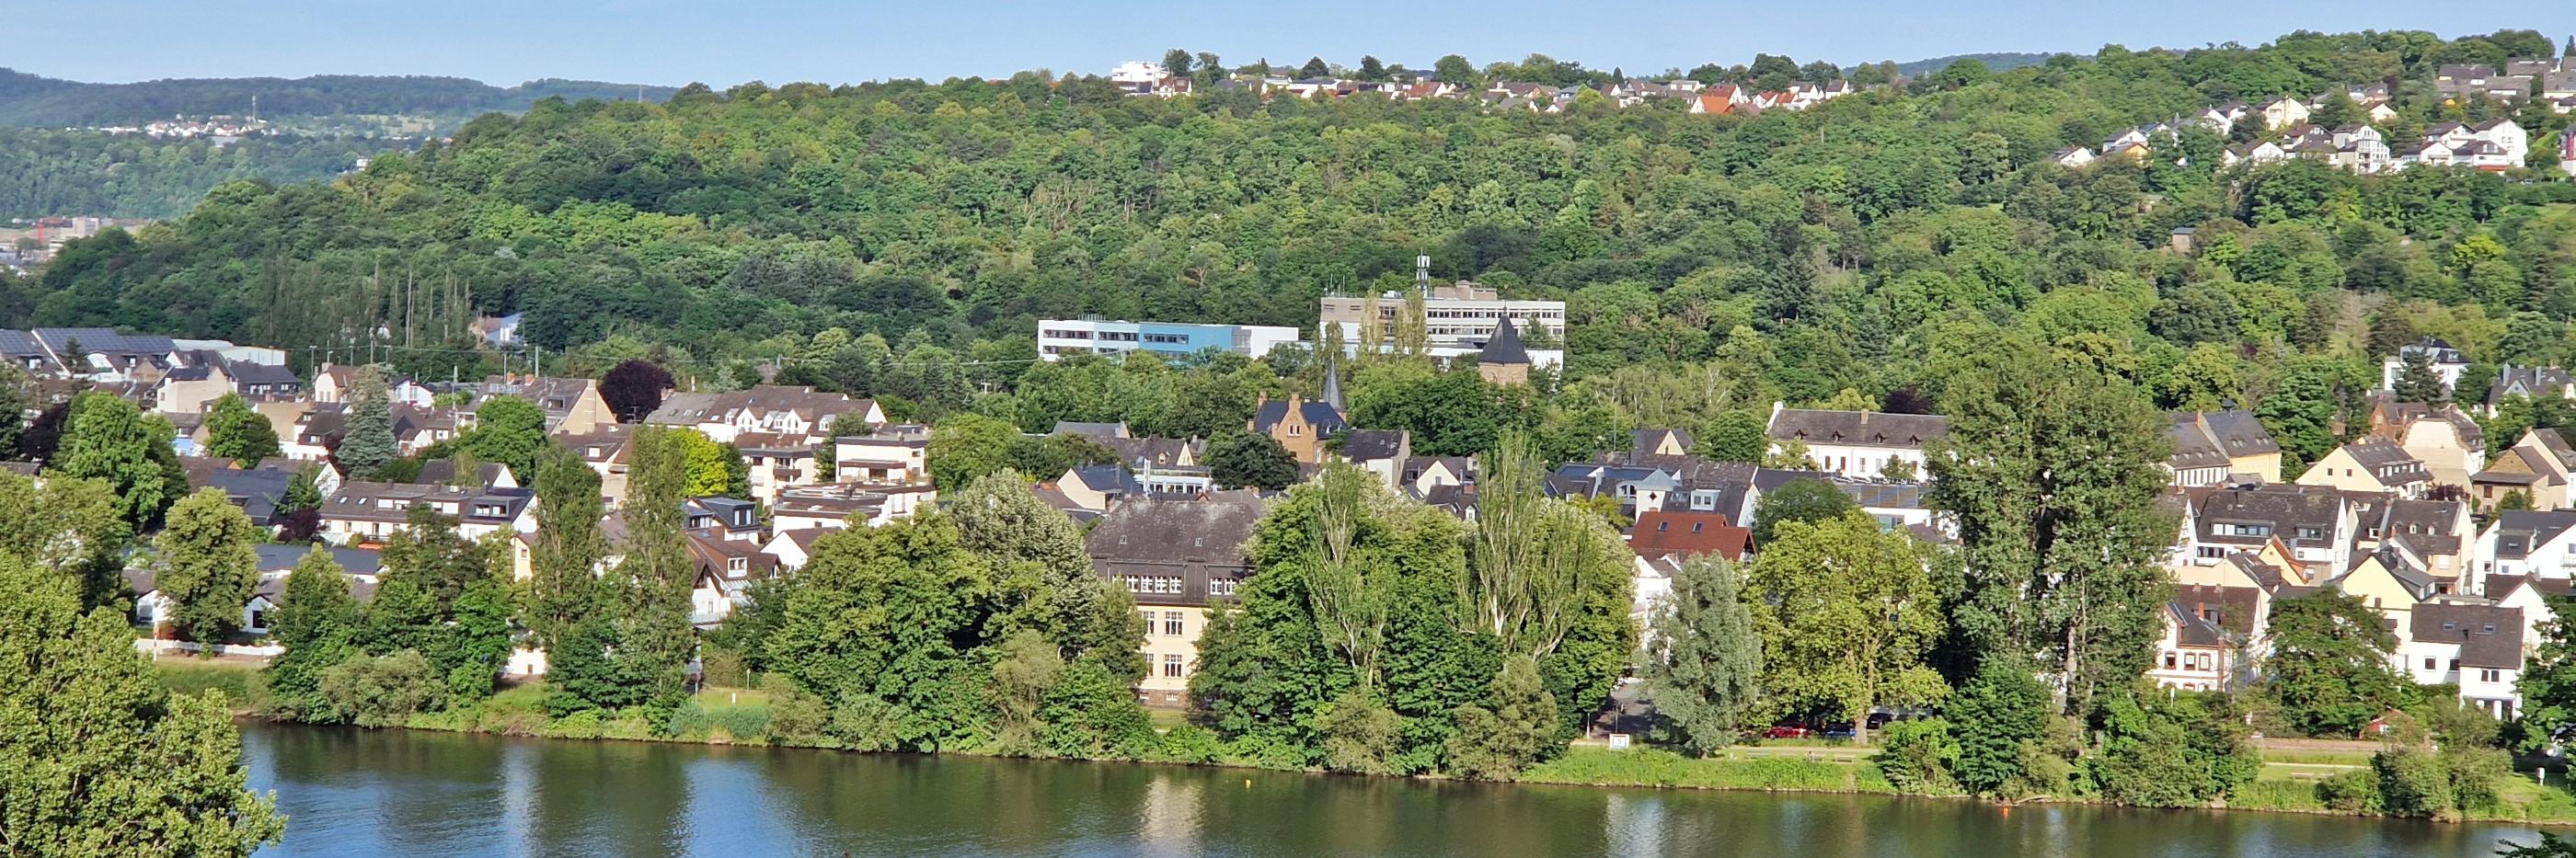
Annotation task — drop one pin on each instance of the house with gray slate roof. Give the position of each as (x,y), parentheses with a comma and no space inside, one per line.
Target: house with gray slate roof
(1856,443)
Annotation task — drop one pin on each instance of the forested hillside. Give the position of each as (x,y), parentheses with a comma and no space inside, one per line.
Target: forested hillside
(1711,263)
(32,101)
(45,173)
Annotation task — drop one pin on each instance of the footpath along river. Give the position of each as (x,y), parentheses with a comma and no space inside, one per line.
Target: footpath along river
(394,792)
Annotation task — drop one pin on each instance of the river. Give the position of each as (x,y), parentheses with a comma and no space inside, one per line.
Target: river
(356,792)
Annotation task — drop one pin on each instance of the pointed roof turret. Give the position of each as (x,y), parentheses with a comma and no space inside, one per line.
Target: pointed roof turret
(1505,348)
(1333,380)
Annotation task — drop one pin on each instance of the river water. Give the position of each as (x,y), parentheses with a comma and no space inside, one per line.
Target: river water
(358,792)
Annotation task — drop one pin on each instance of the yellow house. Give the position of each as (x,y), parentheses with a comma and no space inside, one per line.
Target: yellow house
(2538,465)
(2211,445)
(2450,444)
(2371,464)
(1177,557)
(2389,583)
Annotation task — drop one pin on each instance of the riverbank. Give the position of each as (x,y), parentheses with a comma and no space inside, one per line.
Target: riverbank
(726,716)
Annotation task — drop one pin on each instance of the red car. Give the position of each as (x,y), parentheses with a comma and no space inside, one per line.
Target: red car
(1785,731)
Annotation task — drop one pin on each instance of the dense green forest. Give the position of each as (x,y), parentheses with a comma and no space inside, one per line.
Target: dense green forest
(28,100)
(50,173)
(1711,263)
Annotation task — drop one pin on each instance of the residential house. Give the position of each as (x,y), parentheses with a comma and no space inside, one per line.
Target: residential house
(102,355)
(2540,465)
(257,491)
(604,449)
(2209,446)
(895,454)
(2536,382)
(1662,533)
(572,405)
(499,332)
(2478,648)
(2389,581)
(2072,156)
(1175,557)
(1856,443)
(366,513)
(2446,362)
(2283,112)
(766,408)
(1422,474)
(1659,442)
(730,519)
(840,505)
(724,570)
(2448,441)
(2192,654)
(2527,543)
(790,550)
(1298,424)
(779,461)
(2370,464)
(2304,531)
(332,383)
(1382,452)
(2439,535)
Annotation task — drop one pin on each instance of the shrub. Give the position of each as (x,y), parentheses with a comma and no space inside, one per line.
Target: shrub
(2413,783)
(579,725)
(1917,755)
(743,722)
(2355,791)
(1191,743)
(382,691)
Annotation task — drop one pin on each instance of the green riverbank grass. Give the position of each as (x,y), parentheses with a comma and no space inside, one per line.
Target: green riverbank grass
(1660,768)
(191,675)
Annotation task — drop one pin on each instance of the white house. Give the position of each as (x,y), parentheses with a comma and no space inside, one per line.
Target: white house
(1859,444)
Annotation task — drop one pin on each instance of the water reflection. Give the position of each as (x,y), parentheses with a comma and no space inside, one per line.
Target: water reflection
(355,792)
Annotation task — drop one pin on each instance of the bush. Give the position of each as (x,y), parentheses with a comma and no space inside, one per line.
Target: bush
(2413,783)
(579,725)
(723,667)
(382,691)
(1190,743)
(796,716)
(2355,791)
(743,723)
(1916,756)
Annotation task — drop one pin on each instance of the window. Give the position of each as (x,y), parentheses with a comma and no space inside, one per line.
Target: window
(1221,586)
(1149,615)
(2428,664)
(1662,526)
(2490,676)
(1171,666)
(2169,661)
(1172,623)
(2455,664)
(2212,552)
(737,565)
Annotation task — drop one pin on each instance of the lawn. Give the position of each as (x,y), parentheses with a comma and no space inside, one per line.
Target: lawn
(190,675)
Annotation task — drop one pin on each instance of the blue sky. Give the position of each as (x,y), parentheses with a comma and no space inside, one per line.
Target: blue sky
(721,42)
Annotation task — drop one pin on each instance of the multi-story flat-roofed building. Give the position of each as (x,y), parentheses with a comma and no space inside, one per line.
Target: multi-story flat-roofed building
(1458,320)
(1060,337)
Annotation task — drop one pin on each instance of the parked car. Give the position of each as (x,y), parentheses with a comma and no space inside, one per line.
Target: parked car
(1786,731)
(1840,731)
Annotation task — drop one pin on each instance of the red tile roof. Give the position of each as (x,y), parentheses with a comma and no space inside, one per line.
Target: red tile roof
(1660,533)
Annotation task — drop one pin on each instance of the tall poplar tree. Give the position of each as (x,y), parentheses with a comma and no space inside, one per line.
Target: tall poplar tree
(367,440)
(563,581)
(2053,470)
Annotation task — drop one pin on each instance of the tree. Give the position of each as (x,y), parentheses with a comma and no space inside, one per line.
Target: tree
(70,525)
(1703,663)
(2417,382)
(1314,68)
(101,759)
(2053,470)
(1044,578)
(633,388)
(1804,499)
(563,558)
(1738,435)
(110,439)
(2328,670)
(429,552)
(510,431)
(1371,69)
(208,565)
(879,625)
(367,441)
(14,403)
(235,431)
(316,621)
(1549,579)
(1511,730)
(1177,61)
(2548,681)
(1847,613)
(1996,719)
(1455,69)
(636,650)
(1247,460)
(966,446)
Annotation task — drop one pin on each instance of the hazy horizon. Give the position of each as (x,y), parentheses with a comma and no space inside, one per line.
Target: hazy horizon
(658,42)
